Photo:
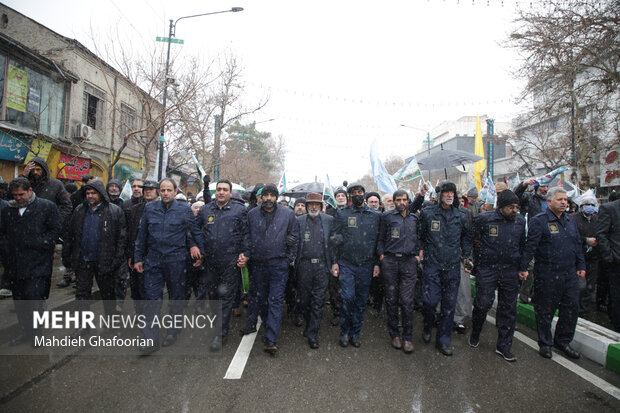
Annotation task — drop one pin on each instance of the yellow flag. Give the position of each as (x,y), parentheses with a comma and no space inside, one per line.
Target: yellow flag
(479,150)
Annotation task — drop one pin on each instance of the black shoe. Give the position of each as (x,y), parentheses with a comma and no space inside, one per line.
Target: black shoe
(22,338)
(314,344)
(426,336)
(444,349)
(568,351)
(247,330)
(299,321)
(506,354)
(336,321)
(460,328)
(216,344)
(474,340)
(146,350)
(545,351)
(63,283)
(169,340)
(355,341)
(344,340)
(270,347)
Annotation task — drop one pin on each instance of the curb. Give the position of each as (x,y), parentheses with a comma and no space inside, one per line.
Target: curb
(595,342)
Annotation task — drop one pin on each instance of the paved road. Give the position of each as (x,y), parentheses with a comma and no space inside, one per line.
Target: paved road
(372,378)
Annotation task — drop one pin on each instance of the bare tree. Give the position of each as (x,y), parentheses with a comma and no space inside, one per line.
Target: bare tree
(570,52)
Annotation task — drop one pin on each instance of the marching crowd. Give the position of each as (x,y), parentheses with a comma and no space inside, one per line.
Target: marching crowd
(394,251)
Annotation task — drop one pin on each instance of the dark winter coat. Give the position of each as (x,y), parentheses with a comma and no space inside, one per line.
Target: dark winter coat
(587,229)
(442,235)
(28,241)
(608,231)
(354,235)
(270,242)
(133,226)
(529,203)
(167,234)
(52,190)
(225,230)
(326,224)
(112,234)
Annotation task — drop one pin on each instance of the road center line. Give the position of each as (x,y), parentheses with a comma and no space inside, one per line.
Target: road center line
(237,365)
(563,361)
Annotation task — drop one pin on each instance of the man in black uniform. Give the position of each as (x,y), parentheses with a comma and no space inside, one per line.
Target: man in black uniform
(224,225)
(313,264)
(354,234)
(553,239)
(399,253)
(442,229)
(608,237)
(502,238)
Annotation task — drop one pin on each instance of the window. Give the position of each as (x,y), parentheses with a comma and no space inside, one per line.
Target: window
(128,120)
(34,100)
(92,110)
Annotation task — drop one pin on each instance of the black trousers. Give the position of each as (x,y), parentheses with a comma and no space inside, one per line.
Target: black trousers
(106,280)
(335,300)
(399,279)
(222,283)
(312,284)
(587,287)
(506,281)
(613,272)
(29,295)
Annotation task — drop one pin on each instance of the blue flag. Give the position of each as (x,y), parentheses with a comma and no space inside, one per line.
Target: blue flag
(409,171)
(383,179)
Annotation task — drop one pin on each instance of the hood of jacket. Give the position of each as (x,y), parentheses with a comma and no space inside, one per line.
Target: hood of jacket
(97,186)
(41,162)
(115,181)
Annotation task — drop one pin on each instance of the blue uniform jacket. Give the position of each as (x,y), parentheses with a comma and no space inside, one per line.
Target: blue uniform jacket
(165,235)
(398,234)
(554,243)
(442,235)
(225,230)
(326,225)
(356,231)
(501,240)
(270,243)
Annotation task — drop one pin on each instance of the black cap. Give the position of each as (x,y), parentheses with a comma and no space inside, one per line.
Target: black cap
(150,184)
(299,201)
(356,185)
(506,197)
(369,194)
(270,189)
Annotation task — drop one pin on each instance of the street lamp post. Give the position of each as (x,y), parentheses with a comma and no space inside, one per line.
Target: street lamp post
(171,34)
(428,139)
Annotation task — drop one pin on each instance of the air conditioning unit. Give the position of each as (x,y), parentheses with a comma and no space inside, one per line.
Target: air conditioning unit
(83,132)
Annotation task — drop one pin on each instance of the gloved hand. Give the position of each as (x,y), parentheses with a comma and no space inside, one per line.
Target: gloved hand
(291,240)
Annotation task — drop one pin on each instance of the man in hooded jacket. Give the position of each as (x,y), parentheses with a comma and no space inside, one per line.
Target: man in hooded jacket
(95,245)
(46,187)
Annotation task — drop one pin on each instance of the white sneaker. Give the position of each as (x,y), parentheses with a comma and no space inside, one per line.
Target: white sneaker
(5,293)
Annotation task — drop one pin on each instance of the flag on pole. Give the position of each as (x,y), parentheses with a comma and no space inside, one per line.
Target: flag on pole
(491,194)
(515,182)
(547,178)
(126,192)
(199,167)
(479,150)
(384,181)
(282,183)
(327,190)
(409,171)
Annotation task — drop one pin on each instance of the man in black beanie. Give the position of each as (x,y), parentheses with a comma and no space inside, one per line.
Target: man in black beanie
(502,238)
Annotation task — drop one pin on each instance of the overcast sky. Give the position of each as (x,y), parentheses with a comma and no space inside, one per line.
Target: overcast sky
(339,73)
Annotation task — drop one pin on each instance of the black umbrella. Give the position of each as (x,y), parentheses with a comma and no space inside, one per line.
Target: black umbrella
(446,158)
(302,190)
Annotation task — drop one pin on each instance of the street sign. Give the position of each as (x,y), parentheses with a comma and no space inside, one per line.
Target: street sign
(165,39)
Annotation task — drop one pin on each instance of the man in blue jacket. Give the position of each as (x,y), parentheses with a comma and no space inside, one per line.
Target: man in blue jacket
(313,264)
(167,229)
(224,226)
(502,238)
(553,240)
(274,233)
(442,229)
(354,236)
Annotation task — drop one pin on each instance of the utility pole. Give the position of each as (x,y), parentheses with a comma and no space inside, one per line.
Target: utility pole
(216,147)
(490,133)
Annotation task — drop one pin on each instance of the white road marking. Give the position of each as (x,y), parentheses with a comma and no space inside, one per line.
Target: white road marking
(237,365)
(563,361)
